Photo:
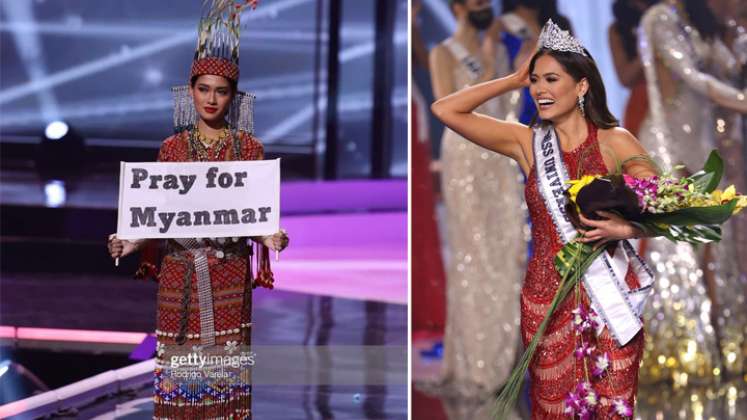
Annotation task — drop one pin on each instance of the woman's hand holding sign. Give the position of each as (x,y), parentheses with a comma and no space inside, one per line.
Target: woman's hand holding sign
(122,247)
(277,241)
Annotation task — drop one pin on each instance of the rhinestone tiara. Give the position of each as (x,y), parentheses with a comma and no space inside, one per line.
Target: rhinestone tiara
(554,38)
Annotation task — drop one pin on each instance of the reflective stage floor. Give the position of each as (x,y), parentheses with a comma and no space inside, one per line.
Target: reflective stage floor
(724,401)
(66,313)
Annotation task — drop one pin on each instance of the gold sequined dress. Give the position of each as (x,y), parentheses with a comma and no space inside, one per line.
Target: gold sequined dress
(687,329)
(486,254)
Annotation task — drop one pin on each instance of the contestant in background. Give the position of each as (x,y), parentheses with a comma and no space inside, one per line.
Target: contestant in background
(696,323)
(623,39)
(428,278)
(485,217)
(213,123)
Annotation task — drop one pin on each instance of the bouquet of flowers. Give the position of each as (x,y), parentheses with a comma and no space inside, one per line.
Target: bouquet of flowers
(682,209)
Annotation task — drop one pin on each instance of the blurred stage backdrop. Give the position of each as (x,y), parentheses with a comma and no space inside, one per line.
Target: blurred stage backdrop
(86,84)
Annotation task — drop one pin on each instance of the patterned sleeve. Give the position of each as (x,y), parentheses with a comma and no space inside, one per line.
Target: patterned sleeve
(173,149)
(150,253)
(252,148)
(665,35)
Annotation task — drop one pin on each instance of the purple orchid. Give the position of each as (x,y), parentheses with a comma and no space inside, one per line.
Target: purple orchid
(581,320)
(573,404)
(601,364)
(645,188)
(582,402)
(622,408)
(584,350)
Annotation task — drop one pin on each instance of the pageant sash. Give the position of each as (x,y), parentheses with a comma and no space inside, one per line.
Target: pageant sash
(470,62)
(611,298)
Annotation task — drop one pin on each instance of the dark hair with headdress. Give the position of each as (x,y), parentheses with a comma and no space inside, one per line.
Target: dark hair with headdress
(583,67)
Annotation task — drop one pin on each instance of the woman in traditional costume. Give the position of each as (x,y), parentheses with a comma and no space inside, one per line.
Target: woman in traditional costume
(577,136)
(205,285)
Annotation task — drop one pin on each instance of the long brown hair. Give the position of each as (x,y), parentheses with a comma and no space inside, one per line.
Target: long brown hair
(580,67)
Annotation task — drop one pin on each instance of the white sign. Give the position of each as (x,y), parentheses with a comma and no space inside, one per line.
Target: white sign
(198,199)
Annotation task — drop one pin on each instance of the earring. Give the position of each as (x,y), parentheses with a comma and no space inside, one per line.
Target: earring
(581,101)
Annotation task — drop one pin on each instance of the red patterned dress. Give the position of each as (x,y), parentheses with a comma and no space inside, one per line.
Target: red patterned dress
(178,320)
(555,371)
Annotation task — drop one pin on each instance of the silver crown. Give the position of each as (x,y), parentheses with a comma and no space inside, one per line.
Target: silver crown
(554,38)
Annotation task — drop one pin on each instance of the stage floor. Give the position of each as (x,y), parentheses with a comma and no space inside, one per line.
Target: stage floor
(341,282)
(719,401)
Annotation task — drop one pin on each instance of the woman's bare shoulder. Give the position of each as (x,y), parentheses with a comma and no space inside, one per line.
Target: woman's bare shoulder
(617,137)
(620,146)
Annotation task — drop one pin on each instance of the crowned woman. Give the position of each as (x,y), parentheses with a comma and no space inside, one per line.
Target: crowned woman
(205,284)
(576,370)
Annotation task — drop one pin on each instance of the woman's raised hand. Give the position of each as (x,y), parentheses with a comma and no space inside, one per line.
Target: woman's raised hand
(521,75)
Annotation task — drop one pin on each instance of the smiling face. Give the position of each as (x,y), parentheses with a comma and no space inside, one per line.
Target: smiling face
(554,91)
(212,96)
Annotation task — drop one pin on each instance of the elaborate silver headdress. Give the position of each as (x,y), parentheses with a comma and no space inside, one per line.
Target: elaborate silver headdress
(554,38)
(217,53)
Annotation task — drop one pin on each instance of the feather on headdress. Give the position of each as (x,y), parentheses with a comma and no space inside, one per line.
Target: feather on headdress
(217,53)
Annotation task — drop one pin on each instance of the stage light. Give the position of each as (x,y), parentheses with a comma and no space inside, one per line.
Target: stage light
(153,76)
(55,193)
(56,130)
(4,366)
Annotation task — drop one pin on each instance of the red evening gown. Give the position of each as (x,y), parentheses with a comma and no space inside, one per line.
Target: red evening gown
(555,371)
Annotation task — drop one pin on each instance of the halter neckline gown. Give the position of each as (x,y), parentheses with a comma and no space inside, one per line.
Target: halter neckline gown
(555,371)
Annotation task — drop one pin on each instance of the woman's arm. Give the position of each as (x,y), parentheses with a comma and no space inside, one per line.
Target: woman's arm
(628,71)
(253,149)
(456,112)
(619,147)
(665,35)
(441,66)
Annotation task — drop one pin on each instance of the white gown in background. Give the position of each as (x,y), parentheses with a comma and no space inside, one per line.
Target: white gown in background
(682,326)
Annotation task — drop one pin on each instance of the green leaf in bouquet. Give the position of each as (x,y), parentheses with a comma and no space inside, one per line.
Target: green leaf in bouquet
(707,179)
(700,234)
(711,215)
(568,257)
(696,235)
(651,229)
